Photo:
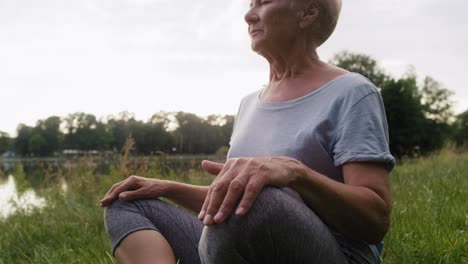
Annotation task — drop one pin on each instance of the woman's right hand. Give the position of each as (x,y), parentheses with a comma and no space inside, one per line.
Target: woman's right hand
(135,187)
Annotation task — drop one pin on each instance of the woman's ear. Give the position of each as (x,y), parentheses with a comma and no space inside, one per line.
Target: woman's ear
(309,15)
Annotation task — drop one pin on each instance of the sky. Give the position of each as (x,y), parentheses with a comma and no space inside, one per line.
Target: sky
(144,56)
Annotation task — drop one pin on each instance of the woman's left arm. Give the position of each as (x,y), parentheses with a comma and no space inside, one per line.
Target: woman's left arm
(358,208)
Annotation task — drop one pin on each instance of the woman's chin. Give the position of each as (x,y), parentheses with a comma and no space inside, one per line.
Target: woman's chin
(256,45)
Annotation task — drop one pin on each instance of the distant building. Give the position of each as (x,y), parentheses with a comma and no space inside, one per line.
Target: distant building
(8,154)
(76,152)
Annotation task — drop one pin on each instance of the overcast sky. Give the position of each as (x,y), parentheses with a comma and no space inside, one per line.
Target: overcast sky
(144,56)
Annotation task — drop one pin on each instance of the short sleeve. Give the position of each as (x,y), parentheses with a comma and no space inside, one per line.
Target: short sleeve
(362,134)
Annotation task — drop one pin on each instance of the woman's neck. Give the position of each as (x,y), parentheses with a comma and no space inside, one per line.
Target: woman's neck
(292,62)
(296,73)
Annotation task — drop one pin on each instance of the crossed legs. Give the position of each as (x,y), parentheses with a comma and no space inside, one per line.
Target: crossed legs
(280,228)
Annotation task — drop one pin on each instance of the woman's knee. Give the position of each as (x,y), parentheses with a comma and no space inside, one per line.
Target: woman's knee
(278,217)
(112,211)
(235,238)
(122,218)
(119,212)
(219,244)
(136,206)
(273,202)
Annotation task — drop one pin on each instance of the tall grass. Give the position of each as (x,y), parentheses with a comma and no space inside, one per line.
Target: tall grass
(429,215)
(430,210)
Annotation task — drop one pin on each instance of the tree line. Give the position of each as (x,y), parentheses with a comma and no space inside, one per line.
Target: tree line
(164,132)
(419,114)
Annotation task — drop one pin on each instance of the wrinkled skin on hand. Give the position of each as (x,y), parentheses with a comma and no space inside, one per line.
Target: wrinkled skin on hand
(134,187)
(242,179)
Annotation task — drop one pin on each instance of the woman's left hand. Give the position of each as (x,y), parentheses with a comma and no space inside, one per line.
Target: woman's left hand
(243,178)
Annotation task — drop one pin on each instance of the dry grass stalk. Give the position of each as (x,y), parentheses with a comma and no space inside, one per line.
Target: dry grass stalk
(127,148)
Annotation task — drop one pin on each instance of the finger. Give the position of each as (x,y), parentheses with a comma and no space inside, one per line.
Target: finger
(251,192)
(125,185)
(202,214)
(109,195)
(218,192)
(141,193)
(234,193)
(213,168)
(209,197)
(112,188)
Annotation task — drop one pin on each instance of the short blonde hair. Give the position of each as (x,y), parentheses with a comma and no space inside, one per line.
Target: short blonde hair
(329,12)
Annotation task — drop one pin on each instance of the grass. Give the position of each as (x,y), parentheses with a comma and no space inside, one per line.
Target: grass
(430,210)
(429,221)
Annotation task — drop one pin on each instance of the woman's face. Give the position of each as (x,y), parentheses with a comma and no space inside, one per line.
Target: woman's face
(273,25)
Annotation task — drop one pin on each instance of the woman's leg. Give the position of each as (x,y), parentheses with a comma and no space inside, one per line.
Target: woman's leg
(279,228)
(144,246)
(148,227)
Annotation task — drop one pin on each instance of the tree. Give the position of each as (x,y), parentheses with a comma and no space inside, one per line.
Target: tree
(196,135)
(460,127)
(153,138)
(405,116)
(362,64)
(224,126)
(162,132)
(85,132)
(191,133)
(37,145)
(149,137)
(123,126)
(49,131)
(436,101)
(5,142)
(21,143)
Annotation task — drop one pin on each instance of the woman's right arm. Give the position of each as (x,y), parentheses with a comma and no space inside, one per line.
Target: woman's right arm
(187,195)
(136,187)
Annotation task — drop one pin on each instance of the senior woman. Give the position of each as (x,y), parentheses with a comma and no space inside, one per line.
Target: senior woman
(306,177)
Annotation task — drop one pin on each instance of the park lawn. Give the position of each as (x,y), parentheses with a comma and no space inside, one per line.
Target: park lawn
(429,220)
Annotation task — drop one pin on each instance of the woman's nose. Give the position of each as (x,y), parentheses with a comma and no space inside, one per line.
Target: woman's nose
(251,17)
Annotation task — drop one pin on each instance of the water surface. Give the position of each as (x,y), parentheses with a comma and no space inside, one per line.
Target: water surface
(12,199)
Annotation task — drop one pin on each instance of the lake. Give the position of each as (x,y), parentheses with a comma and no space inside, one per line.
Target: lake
(23,180)
(11,199)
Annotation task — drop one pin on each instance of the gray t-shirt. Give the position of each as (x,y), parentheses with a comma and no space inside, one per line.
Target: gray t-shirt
(340,122)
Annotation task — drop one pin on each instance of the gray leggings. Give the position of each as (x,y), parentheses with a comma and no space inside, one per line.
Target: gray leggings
(279,228)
